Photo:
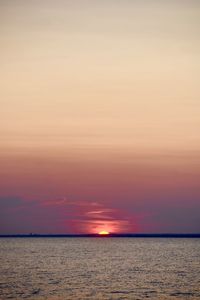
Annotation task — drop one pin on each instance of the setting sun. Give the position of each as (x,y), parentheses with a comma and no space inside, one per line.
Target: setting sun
(103,232)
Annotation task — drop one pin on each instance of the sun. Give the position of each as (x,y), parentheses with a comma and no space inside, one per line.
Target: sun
(103,232)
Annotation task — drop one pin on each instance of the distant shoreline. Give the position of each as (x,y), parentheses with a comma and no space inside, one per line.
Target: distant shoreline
(111,235)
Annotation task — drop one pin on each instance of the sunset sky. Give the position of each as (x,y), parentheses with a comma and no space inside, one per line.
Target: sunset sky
(99,116)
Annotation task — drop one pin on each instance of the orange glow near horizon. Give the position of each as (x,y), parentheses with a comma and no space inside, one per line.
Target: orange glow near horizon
(103,232)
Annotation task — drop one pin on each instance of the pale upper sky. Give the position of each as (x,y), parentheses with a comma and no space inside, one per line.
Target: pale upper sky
(98,73)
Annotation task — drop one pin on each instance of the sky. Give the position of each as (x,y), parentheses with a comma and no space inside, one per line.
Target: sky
(99,116)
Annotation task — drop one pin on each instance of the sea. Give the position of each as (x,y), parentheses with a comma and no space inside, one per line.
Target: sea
(99,268)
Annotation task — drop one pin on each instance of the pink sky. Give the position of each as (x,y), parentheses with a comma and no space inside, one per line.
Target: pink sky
(99,116)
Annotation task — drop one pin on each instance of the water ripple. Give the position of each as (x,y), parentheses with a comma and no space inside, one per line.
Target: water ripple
(81,268)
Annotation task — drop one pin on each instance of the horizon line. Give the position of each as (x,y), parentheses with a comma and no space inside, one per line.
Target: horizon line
(93,235)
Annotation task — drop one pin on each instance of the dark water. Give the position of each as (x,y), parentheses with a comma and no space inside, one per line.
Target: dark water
(99,268)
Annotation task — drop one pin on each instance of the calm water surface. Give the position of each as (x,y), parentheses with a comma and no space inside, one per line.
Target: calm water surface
(99,268)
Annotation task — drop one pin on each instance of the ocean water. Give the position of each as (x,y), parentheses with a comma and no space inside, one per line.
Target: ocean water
(99,268)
